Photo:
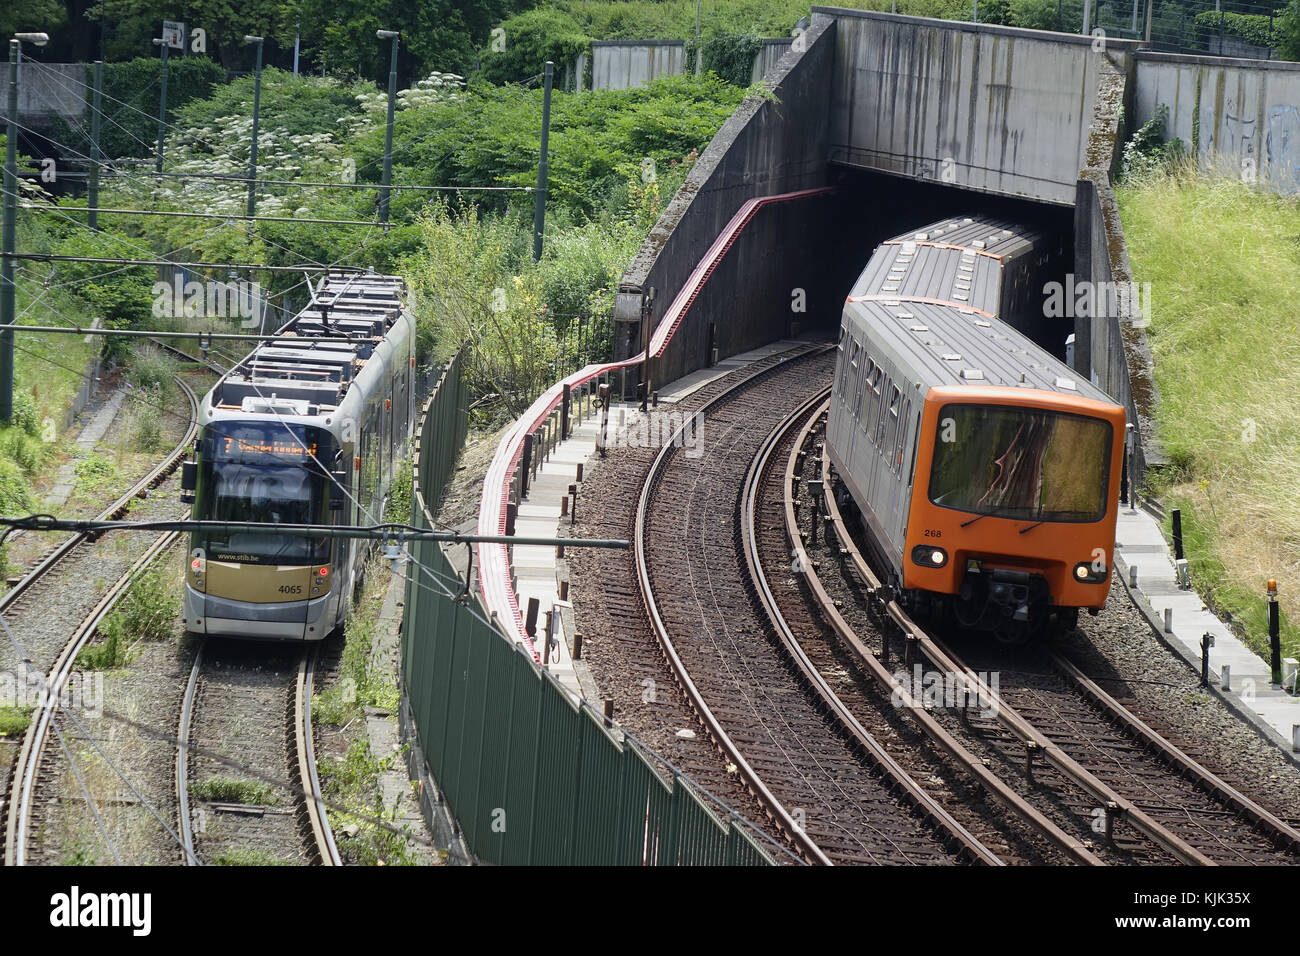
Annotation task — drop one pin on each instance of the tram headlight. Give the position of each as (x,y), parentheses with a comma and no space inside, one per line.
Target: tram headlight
(1086,573)
(928,556)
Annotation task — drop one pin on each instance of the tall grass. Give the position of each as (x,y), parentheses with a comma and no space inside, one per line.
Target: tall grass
(1223,260)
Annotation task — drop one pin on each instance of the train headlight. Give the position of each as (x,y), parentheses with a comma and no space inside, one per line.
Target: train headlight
(928,556)
(1086,573)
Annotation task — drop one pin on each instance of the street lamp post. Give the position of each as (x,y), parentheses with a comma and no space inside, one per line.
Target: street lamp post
(162,105)
(10,224)
(257,104)
(385,192)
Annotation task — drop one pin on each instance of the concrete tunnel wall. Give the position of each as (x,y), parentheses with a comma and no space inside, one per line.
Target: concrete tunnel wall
(765,147)
(1239,117)
(984,107)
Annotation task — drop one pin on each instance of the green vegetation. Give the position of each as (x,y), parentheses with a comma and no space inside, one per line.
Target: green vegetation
(1248,27)
(14,721)
(353,779)
(95,473)
(247,856)
(1223,260)
(358,685)
(234,790)
(1146,153)
(146,612)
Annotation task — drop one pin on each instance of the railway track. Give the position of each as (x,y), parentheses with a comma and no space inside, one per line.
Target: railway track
(31,610)
(1086,762)
(830,800)
(255,704)
(809,621)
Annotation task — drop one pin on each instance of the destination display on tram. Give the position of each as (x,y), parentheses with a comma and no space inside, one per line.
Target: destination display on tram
(278,449)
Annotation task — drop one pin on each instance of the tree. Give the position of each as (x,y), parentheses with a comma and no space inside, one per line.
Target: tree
(1288,32)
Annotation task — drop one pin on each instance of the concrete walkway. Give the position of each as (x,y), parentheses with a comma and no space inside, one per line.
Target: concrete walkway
(538,570)
(1140,545)
(65,480)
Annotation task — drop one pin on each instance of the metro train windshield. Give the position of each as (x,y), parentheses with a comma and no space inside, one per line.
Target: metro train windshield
(265,472)
(1022,463)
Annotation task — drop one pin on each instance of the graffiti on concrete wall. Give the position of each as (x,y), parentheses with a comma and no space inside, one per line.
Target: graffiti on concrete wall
(1284,148)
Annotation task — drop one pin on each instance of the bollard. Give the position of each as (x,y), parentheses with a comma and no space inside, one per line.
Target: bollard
(1207,641)
(1295,738)
(577,645)
(1169,620)
(564,507)
(654,398)
(580,471)
(1176,523)
(526,466)
(559,550)
(573,510)
(1132,575)
(1274,636)
(512,510)
(609,713)
(530,623)
(566,405)
(1225,678)
(564,590)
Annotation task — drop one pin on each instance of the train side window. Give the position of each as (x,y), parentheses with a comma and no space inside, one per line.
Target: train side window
(849,371)
(864,390)
(895,400)
(881,419)
(916,443)
(901,443)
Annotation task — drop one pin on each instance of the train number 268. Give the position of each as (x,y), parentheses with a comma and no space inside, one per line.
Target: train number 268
(933,533)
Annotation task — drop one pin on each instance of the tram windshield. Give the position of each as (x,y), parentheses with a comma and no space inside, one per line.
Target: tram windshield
(268,472)
(1023,463)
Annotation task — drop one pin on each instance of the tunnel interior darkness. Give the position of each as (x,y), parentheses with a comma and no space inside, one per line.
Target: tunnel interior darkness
(870,207)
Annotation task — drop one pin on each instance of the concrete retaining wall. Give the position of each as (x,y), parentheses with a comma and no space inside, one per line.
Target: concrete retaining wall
(1110,345)
(1240,117)
(982,107)
(768,56)
(48,88)
(764,148)
(622,65)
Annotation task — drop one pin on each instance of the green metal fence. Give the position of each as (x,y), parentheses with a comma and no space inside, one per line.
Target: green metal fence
(532,776)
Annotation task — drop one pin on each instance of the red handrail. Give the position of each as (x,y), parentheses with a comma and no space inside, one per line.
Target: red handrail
(493,567)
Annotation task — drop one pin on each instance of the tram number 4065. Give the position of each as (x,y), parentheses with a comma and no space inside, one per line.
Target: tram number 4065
(290,588)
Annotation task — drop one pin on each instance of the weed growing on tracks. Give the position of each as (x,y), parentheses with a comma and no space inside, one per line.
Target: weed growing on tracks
(246,856)
(146,612)
(14,720)
(234,790)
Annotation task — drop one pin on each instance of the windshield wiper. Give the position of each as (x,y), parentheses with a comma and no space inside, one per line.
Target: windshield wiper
(1031,527)
(967,524)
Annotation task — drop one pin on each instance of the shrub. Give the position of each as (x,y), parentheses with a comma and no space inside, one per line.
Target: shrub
(153,372)
(27,452)
(1147,153)
(1250,28)
(143,416)
(530,39)
(15,495)
(1288,32)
